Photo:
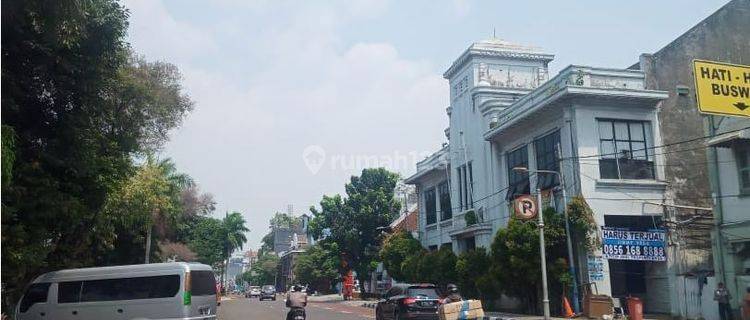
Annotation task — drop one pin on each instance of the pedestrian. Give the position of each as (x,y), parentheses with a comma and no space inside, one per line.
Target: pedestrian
(746,305)
(722,296)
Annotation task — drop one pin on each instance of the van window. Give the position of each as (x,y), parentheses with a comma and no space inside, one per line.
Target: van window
(131,288)
(202,283)
(37,293)
(119,289)
(69,292)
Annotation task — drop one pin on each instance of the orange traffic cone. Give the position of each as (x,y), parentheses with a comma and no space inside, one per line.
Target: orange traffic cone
(567,310)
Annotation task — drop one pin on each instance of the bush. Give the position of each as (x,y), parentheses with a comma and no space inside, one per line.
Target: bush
(394,251)
(471,266)
(470,217)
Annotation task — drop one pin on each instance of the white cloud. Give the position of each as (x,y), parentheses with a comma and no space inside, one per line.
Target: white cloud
(288,83)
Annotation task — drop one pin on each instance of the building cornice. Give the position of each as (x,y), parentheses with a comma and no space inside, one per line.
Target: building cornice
(479,52)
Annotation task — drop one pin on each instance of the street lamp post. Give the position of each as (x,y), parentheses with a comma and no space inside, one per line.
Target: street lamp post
(571,265)
(545,291)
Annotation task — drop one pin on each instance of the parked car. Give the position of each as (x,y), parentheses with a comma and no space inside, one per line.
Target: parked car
(267,292)
(252,292)
(176,290)
(409,301)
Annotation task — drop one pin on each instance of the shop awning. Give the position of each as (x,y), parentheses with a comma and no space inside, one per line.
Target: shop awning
(727,139)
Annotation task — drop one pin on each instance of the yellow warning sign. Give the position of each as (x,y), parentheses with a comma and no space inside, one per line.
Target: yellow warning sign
(722,88)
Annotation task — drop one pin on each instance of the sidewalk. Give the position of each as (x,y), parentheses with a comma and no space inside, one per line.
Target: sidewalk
(325,298)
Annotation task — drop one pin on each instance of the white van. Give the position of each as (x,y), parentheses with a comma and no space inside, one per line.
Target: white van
(174,290)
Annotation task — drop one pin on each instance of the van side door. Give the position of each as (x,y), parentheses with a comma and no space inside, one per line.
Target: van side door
(34,304)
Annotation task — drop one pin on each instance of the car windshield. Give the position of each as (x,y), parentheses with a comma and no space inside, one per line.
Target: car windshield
(423,292)
(268,288)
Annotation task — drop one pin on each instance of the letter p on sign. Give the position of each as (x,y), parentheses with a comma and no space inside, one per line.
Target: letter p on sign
(525,207)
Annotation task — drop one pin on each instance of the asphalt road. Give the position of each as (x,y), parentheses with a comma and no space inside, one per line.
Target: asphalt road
(245,309)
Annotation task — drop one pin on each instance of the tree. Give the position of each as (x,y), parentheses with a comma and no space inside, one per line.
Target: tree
(353,222)
(148,200)
(175,251)
(234,228)
(208,240)
(470,267)
(396,248)
(278,221)
(81,107)
(516,261)
(318,266)
(263,271)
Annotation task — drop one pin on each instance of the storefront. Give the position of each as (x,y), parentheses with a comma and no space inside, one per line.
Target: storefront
(634,248)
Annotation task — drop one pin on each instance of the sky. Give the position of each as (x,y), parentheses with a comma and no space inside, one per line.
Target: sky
(294,97)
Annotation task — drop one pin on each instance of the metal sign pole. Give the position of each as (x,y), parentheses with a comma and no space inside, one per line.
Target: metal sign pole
(545,292)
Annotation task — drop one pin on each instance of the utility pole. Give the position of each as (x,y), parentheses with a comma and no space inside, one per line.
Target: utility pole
(545,292)
(571,262)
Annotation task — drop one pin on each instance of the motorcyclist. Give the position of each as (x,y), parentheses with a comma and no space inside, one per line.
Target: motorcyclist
(453,294)
(296,301)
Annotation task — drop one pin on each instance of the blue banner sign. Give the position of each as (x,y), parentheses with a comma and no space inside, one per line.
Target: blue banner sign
(623,244)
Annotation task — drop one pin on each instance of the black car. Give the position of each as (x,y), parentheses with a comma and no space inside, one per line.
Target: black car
(267,292)
(409,301)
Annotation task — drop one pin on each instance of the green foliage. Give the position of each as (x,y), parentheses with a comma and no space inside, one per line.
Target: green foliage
(470,217)
(234,226)
(470,266)
(516,262)
(396,248)
(8,156)
(582,224)
(353,222)
(208,240)
(82,108)
(278,221)
(263,271)
(283,221)
(318,266)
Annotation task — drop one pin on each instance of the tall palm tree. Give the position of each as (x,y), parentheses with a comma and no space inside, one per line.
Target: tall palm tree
(234,226)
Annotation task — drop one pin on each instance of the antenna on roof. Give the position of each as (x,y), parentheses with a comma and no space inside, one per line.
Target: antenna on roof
(493,34)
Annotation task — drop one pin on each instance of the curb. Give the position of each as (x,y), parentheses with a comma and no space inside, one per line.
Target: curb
(370,305)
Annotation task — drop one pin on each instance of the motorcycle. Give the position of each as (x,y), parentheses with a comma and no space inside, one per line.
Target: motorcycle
(296,314)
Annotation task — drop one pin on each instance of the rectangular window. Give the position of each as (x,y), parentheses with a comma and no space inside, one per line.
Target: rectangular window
(470,187)
(518,182)
(36,293)
(623,148)
(460,189)
(119,289)
(202,283)
(445,201)
(430,206)
(743,168)
(69,292)
(465,186)
(545,149)
(130,288)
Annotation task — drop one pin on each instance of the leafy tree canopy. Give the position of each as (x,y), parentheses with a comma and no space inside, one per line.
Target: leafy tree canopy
(354,222)
(396,248)
(318,266)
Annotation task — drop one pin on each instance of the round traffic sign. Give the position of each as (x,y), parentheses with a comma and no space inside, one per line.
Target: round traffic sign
(525,207)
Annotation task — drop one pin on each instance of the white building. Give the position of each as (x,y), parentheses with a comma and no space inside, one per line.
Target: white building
(505,113)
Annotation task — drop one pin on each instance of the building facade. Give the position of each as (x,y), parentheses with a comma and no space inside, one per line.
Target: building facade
(707,177)
(595,126)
